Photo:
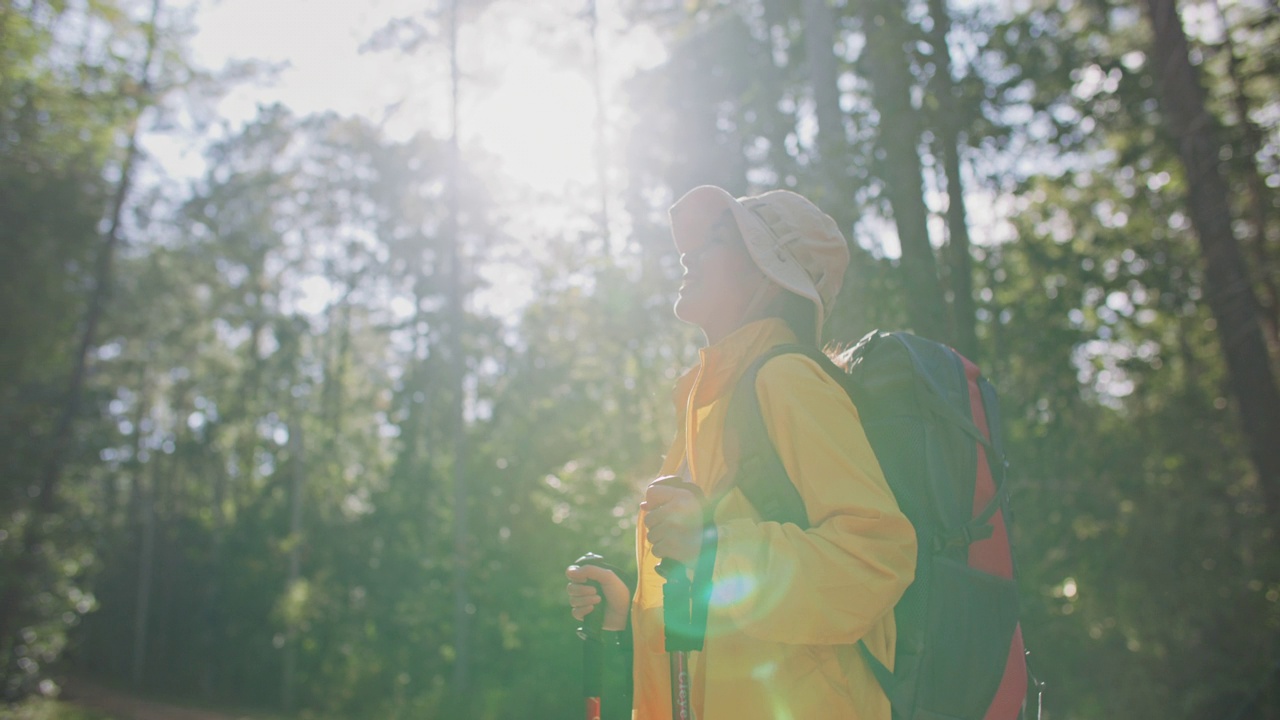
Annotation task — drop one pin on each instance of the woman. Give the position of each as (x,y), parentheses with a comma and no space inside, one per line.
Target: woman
(787,605)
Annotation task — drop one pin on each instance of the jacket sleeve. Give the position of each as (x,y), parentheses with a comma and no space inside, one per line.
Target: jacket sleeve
(830,583)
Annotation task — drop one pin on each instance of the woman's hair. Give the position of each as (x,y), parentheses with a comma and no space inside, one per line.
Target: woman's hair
(799,314)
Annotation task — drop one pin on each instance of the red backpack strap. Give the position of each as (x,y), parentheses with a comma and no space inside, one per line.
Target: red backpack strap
(993,554)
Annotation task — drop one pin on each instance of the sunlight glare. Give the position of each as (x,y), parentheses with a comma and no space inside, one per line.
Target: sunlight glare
(539,121)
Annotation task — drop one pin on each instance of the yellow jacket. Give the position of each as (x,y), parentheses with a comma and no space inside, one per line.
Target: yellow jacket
(788,605)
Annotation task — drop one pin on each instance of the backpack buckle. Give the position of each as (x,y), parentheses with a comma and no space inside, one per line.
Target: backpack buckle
(962,537)
(974,533)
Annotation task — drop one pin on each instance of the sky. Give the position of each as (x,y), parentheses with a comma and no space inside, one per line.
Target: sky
(524,97)
(526,94)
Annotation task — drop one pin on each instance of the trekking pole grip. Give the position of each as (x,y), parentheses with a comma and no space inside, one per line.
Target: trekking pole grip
(677,589)
(677,593)
(592,629)
(592,633)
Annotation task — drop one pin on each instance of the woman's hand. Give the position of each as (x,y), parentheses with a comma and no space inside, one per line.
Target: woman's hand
(673,516)
(583,597)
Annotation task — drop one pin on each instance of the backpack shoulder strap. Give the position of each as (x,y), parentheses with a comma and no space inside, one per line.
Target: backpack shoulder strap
(760,474)
(763,479)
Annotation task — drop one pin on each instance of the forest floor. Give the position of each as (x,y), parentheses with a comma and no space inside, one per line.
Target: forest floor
(115,704)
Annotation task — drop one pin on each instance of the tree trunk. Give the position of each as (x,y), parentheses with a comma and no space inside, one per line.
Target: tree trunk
(601,149)
(141,520)
(146,566)
(820,38)
(960,261)
(1259,198)
(1227,288)
(885,65)
(461,533)
(297,480)
(30,548)
(210,597)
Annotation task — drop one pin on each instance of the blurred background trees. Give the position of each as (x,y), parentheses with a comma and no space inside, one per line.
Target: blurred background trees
(227,404)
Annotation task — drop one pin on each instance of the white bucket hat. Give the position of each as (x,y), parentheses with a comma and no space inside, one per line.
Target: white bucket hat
(794,244)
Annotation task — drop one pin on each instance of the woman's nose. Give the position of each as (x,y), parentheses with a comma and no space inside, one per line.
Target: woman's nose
(694,255)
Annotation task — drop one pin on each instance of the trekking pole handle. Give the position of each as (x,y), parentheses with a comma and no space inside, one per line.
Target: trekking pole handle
(677,588)
(593,624)
(670,569)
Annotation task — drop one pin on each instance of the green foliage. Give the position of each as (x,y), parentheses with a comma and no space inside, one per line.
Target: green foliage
(259,504)
(63,111)
(50,710)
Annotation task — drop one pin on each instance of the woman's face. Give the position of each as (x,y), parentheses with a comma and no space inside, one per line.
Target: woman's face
(720,279)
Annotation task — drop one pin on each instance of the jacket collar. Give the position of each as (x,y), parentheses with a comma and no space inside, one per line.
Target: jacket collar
(721,365)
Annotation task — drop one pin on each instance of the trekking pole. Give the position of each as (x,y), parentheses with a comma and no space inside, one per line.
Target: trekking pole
(592,634)
(676,594)
(677,618)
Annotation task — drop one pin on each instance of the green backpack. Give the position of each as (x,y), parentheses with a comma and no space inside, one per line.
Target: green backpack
(933,422)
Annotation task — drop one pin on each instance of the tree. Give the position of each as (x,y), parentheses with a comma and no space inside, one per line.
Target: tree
(1228,289)
(948,120)
(886,66)
(295,300)
(77,143)
(1247,77)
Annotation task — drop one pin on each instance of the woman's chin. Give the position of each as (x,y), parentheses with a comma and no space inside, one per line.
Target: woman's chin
(685,309)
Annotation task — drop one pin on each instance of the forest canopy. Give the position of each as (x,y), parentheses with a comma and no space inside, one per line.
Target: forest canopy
(314,421)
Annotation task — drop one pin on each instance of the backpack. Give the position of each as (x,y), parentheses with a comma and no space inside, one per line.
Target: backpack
(933,422)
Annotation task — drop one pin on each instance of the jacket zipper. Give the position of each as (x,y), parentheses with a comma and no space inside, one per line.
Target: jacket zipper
(689,415)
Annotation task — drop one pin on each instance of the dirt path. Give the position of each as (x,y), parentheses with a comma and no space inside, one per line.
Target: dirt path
(122,706)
